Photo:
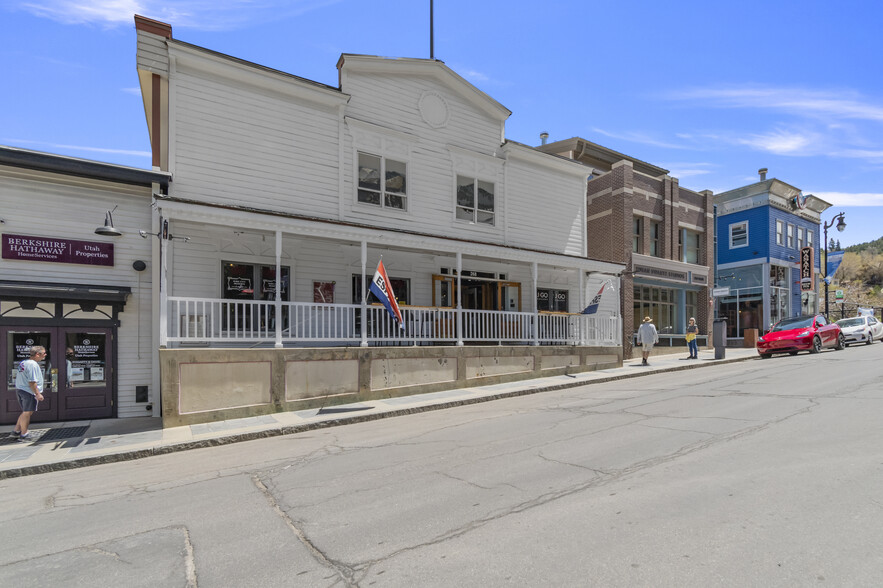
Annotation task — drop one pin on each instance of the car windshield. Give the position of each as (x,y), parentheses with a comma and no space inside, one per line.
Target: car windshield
(793,323)
(851,322)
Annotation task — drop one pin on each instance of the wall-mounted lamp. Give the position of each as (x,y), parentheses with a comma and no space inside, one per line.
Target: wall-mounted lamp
(139,266)
(108,230)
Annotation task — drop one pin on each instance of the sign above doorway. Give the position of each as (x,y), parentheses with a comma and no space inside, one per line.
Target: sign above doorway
(49,249)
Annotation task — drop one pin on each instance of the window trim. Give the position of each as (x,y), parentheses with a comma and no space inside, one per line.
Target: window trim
(686,244)
(734,225)
(638,236)
(780,232)
(789,236)
(383,193)
(476,180)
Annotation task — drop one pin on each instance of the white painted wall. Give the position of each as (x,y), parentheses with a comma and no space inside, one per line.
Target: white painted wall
(67,207)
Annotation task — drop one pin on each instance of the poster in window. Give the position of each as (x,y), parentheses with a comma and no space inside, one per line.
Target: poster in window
(323,292)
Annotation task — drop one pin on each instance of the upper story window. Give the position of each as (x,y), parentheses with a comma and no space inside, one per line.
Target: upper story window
(790,237)
(780,232)
(800,233)
(655,248)
(809,238)
(690,246)
(638,234)
(475,200)
(739,235)
(392,191)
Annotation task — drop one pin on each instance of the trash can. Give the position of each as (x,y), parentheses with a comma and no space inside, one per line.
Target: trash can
(719,338)
(749,339)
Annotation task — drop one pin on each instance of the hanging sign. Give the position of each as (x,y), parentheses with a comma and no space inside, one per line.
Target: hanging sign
(807,270)
(26,248)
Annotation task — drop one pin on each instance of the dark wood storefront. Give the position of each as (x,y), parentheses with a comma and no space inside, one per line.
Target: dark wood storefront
(77,324)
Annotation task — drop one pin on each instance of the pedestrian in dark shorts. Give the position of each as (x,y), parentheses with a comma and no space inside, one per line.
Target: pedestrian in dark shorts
(29,389)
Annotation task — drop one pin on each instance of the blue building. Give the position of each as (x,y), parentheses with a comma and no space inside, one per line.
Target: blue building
(761,231)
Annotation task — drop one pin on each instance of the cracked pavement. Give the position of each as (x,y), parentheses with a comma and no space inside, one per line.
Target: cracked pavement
(749,474)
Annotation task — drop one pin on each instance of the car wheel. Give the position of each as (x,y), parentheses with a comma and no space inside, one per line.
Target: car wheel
(816,345)
(840,343)
(870,340)
(792,353)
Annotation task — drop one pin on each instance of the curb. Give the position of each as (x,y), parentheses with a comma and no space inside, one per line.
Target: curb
(293,429)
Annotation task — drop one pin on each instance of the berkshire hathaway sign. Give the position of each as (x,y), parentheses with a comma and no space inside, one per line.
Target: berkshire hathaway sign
(25,248)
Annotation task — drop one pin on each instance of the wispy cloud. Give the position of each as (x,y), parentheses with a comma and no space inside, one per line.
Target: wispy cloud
(795,101)
(81,148)
(194,14)
(847,199)
(689,170)
(639,137)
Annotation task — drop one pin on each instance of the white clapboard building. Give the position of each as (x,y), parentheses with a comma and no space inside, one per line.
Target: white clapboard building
(286,194)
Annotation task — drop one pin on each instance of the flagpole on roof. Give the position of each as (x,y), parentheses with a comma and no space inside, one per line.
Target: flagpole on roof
(431,32)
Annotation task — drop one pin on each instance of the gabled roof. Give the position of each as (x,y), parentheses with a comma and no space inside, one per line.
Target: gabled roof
(422,67)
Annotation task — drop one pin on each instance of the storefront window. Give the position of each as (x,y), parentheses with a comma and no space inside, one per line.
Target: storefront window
(658,304)
(86,359)
(743,309)
(552,300)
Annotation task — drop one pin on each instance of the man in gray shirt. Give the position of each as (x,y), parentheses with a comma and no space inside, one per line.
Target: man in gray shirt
(647,338)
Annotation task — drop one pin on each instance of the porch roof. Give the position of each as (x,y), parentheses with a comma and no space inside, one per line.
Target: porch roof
(176,208)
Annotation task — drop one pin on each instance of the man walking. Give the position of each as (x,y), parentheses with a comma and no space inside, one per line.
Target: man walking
(29,389)
(647,337)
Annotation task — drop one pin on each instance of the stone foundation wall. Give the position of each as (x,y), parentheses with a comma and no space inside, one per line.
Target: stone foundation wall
(206,385)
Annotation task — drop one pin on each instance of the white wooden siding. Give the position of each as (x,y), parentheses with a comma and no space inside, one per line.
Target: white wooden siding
(71,209)
(237,146)
(152,54)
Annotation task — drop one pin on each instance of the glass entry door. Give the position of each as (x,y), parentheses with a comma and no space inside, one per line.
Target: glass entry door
(77,372)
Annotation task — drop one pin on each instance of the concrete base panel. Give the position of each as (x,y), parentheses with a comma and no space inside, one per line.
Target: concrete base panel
(213,386)
(414,371)
(319,378)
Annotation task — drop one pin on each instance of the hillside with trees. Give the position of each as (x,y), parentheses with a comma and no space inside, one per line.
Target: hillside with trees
(860,276)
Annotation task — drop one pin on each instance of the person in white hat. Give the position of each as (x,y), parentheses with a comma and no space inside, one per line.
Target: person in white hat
(647,338)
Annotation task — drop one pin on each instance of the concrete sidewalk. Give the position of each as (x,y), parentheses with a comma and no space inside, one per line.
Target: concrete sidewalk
(65,445)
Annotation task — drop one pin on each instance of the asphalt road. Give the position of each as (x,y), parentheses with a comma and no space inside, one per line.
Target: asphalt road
(760,473)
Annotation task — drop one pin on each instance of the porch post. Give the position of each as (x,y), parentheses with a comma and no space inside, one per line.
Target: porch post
(163,287)
(278,304)
(534,273)
(581,278)
(459,299)
(364,332)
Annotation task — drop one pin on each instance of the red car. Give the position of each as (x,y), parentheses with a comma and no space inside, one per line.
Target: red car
(802,333)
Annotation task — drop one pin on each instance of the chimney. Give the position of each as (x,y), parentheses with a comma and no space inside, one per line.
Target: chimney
(543,137)
(762,171)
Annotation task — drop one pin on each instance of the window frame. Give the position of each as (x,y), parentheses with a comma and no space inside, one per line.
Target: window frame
(638,234)
(655,239)
(382,192)
(789,236)
(475,208)
(732,226)
(780,233)
(686,247)
(801,235)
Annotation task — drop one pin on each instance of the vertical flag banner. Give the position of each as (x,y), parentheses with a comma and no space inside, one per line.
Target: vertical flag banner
(382,289)
(834,260)
(592,308)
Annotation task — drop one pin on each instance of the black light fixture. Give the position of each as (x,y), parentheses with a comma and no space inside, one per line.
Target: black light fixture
(841,224)
(108,230)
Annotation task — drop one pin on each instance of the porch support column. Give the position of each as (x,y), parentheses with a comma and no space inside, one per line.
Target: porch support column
(364,321)
(278,304)
(534,276)
(459,299)
(163,286)
(581,278)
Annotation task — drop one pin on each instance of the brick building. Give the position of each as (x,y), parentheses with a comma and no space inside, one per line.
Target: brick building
(640,216)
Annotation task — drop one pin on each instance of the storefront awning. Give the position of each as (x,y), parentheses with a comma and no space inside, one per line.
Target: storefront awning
(66,293)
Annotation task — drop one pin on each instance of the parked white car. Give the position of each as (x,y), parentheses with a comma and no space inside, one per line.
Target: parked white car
(861,329)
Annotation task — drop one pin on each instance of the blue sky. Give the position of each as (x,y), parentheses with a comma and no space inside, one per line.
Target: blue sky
(710,90)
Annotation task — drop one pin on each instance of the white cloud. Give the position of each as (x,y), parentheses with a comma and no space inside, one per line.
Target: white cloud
(58,146)
(638,137)
(195,14)
(795,101)
(851,199)
(781,142)
(133,91)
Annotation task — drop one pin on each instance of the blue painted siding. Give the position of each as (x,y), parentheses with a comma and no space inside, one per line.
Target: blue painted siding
(758,235)
(783,251)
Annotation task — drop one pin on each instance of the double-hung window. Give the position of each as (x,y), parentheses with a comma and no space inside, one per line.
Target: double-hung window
(637,234)
(800,237)
(809,238)
(655,250)
(739,235)
(790,237)
(691,246)
(475,200)
(382,182)
(780,232)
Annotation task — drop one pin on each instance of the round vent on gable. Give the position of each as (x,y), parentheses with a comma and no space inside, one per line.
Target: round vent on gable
(434,110)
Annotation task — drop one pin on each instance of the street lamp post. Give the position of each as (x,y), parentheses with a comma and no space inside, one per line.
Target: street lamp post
(841,224)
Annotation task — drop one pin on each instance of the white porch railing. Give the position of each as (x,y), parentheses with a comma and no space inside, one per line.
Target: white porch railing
(207,321)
